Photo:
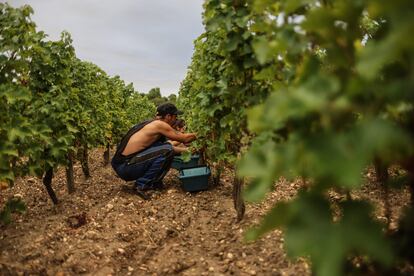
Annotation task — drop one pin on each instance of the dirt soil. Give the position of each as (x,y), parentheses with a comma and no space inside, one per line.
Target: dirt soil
(105,229)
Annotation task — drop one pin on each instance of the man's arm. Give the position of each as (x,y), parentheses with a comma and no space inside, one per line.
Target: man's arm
(166,130)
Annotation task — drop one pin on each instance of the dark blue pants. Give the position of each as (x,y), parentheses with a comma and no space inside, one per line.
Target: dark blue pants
(147,167)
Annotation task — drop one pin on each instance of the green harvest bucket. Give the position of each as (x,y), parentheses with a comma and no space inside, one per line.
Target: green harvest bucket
(194,179)
(179,164)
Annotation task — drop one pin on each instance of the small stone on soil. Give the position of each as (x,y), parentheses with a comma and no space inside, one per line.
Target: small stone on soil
(240,264)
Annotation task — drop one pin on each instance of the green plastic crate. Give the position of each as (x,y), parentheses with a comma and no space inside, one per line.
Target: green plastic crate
(179,164)
(194,179)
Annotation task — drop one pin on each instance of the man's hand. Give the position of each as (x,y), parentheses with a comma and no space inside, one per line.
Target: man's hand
(194,136)
(180,149)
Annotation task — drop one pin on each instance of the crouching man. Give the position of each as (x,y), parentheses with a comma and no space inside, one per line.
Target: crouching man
(144,155)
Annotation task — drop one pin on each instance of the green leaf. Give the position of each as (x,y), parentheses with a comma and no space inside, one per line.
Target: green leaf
(377,54)
(257,164)
(262,50)
(186,156)
(292,5)
(5,216)
(12,206)
(233,42)
(9,152)
(16,205)
(14,93)
(16,133)
(275,218)
(363,234)
(310,231)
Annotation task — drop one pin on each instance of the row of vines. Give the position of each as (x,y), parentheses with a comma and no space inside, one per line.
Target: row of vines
(54,106)
(317,89)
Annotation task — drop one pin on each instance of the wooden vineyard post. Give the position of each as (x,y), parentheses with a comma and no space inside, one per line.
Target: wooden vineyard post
(409,166)
(84,161)
(381,171)
(237,198)
(47,181)
(69,174)
(106,155)
(218,169)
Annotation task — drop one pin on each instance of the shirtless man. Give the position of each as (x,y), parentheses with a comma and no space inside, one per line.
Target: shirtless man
(144,155)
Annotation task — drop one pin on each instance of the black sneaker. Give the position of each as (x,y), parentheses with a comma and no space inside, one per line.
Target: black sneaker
(159,185)
(144,195)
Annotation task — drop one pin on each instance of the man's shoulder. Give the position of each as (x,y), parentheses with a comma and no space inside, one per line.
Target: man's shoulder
(158,124)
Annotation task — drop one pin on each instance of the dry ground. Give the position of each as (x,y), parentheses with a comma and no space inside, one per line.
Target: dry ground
(173,233)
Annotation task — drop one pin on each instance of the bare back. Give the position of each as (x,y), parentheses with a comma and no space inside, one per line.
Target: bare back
(143,138)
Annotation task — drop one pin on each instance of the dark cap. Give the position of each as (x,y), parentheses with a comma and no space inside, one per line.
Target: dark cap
(168,108)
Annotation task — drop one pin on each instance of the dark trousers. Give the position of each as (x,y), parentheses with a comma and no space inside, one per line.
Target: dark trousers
(147,167)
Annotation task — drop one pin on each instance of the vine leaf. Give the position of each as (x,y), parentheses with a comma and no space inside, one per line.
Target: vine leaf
(311,231)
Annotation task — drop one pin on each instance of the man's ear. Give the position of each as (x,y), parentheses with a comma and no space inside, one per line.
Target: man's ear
(168,117)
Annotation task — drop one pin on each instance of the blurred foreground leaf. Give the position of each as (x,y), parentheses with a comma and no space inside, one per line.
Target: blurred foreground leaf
(14,205)
(311,232)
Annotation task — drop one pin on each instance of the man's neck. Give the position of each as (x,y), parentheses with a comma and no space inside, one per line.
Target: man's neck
(160,118)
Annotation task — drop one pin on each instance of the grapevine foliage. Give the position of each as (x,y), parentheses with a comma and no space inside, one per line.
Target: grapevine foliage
(325,90)
(220,81)
(52,103)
